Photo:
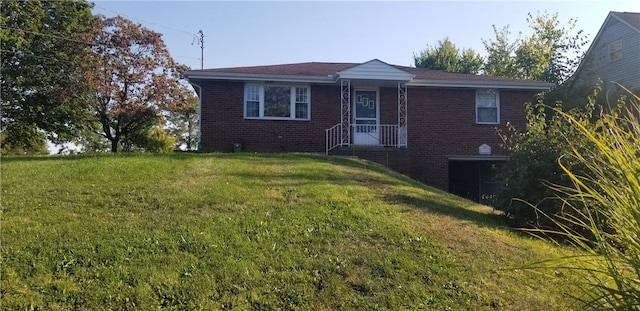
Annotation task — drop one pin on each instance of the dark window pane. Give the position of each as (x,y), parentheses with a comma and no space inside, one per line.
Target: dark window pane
(253,109)
(487,115)
(366,104)
(302,111)
(277,101)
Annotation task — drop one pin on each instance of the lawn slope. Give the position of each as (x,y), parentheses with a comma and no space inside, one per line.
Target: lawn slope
(254,232)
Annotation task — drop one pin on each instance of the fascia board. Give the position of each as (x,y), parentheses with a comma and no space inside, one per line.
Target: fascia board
(256,77)
(483,84)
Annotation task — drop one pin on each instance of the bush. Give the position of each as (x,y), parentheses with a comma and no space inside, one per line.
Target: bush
(21,139)
(154,139)
(532,165)
(159,141)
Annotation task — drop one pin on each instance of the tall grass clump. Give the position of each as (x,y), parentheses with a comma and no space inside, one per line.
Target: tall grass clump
(603,200)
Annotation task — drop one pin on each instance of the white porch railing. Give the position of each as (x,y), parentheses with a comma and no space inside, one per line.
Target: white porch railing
(333,137)
(388,135)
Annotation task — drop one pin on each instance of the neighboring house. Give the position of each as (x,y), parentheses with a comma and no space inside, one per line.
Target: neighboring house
(614,54)
(434,126)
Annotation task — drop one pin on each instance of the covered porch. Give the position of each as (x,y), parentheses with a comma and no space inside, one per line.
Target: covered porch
(366,119)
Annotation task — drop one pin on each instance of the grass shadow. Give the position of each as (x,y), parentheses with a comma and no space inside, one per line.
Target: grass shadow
(449,206)
(368,172)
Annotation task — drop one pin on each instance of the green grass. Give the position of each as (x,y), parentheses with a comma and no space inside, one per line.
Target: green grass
(254,232)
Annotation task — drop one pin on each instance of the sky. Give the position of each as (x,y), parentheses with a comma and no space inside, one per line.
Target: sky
(244,33)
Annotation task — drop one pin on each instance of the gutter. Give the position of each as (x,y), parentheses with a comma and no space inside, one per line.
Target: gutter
(520,85)
(256,77)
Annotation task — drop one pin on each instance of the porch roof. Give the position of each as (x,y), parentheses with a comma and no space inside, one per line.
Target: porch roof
(330,73)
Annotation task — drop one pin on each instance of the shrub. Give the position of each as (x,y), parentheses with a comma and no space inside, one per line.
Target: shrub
(154,139)
(532,165)
(159,141)
(21,139)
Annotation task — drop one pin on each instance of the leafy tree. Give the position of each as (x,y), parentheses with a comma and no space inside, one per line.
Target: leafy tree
(182,121)
(43,48)
(446,56)
(134,79)
(501,54)
(91,142)
(551,53)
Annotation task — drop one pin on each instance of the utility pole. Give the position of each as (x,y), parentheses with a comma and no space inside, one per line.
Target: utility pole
(201,41)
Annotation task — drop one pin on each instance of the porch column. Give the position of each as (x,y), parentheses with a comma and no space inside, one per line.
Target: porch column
(345,119)
(402,114)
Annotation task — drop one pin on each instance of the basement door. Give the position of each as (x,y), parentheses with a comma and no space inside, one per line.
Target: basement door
(476,180)
(366,118)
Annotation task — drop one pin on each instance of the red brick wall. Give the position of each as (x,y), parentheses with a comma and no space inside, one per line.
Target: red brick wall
(388,106)
(223,122)
(441,123)
(395,158)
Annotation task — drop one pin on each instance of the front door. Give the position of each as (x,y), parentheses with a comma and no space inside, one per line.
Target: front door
(366,131)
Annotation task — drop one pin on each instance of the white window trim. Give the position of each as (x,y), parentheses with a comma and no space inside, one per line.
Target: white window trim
(292,112)
(478,91)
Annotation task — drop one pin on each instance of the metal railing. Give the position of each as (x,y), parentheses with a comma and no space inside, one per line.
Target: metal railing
(388,135)
(333,137)
(375,134)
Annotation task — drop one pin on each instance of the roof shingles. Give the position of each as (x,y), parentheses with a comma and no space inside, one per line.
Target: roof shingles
(630,18)
(327,69)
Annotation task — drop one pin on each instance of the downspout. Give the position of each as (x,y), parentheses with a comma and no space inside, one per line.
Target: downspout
(198,90)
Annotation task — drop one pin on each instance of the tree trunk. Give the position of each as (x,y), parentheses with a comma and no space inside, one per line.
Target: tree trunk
(114,145)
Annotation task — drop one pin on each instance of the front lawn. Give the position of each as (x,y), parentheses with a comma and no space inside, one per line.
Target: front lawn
(254,232)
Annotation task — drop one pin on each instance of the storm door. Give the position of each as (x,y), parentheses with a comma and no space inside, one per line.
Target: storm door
(366,118)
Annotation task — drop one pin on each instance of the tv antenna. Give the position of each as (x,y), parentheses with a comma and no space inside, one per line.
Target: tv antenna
(200,40)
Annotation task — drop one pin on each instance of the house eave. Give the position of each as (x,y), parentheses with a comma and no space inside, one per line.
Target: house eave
(520,85)
(195,75)
(229,76)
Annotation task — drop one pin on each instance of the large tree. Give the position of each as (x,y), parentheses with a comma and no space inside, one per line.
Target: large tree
(43,45)
(134,79)
(501,60)
(446,56)
(551,53)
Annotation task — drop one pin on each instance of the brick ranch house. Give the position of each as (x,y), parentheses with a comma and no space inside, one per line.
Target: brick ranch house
(434,126)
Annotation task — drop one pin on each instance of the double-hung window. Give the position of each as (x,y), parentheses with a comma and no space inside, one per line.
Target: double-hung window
(487,106)
(615,50)
(279,102)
